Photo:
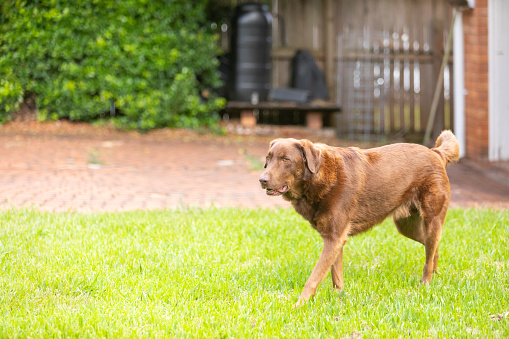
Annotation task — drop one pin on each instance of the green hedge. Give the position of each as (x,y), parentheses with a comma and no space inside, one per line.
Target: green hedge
(151,58)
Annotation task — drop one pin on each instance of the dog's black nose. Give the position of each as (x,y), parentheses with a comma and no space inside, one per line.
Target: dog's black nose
(264,179)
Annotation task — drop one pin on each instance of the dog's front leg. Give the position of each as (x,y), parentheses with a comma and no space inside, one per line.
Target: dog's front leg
(330,251)
(337,271)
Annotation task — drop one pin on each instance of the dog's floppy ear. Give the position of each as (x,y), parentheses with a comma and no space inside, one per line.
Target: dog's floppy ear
(312,155)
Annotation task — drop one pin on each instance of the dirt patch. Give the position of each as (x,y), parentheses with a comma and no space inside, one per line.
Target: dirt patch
(64,166)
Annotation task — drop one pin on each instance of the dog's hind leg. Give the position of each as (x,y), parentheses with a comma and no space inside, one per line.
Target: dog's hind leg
(433,232)
(412,226)
(433,206)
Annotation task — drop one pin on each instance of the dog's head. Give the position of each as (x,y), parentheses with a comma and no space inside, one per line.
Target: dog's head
(288,163)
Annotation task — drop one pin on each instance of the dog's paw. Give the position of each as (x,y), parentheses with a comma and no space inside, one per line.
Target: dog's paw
(299,303)
(302,300)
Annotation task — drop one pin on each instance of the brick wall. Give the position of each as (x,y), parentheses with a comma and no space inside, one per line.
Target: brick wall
(475,28)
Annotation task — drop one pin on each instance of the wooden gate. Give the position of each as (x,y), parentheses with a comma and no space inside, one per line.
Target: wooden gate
(381,59)
(389,55)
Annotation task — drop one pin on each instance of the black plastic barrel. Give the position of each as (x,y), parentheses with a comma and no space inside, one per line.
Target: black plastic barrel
(251,42)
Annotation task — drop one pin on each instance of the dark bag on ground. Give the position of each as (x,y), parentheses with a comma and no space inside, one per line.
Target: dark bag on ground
(307,76)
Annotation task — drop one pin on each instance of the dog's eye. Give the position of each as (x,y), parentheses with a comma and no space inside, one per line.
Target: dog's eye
(267,158)
(285,160)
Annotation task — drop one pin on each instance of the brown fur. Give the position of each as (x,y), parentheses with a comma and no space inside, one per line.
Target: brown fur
(346,191)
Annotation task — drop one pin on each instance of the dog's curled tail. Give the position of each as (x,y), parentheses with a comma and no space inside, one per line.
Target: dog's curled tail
(447,147)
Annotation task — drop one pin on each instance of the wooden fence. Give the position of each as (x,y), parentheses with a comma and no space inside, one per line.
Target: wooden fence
(381,59)
(389,56)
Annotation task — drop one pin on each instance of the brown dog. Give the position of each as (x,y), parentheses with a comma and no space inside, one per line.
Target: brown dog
(345,191)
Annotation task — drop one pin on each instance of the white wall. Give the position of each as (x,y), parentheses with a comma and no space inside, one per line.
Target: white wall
(459,83)
(498,45)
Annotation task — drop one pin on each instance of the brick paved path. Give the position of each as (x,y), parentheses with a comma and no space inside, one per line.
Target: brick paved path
(80,168)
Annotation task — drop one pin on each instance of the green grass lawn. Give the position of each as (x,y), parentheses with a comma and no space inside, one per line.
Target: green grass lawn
(237,273)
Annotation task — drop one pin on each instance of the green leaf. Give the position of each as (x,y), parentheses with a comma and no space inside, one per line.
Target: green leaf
(79,58)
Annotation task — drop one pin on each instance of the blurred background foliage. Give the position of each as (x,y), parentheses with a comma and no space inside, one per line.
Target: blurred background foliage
(143,63)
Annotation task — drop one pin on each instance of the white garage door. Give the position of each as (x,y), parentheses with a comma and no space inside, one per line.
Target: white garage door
(498,79)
